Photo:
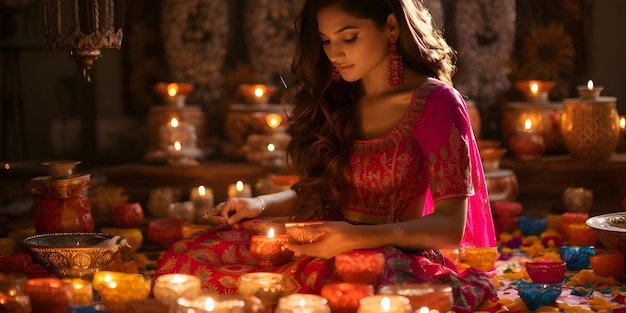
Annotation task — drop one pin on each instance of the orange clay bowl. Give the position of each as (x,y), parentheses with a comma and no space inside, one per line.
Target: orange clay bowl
(546,271)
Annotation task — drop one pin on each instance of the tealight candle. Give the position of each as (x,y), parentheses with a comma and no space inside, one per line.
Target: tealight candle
(268,287)
(433,296)
(239,189)
(535,91)
(270,249)
(220,304)
(527,144)
(257,93)
(83,291)
(48,294)
(203,201)
(302,303)
(589,92)
(621,144)
(116,289)
(384,304)
(345,297)
(174,93)
(360,266)
(169,287)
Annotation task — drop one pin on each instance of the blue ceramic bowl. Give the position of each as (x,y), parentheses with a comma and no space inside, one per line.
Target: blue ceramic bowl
(577,257)
(532,225)
(536,295)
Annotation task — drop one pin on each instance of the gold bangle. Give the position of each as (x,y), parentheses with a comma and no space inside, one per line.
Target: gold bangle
(262,203)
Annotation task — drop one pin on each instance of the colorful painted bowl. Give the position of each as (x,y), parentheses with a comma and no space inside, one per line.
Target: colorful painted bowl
(532,225)
(577,257)
(546,271)
(480,258)
(536,295)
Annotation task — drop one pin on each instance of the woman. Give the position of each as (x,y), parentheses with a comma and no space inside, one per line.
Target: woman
(385,153)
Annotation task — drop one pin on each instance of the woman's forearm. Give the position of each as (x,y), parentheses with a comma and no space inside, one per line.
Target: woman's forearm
(282,203)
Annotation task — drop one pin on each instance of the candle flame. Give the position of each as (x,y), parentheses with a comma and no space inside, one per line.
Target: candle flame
(202,191)
(622,123)
(178,146)
(385,304)
(172,89)
(271,147)
(302,302)
(590,84)
(178,279)
(174,122)
(112,284)
(528,124)
(209,305)
(239,185)
(424,310)
(270,233)
(259,91)
(7,166)
(273,120)
(534,88)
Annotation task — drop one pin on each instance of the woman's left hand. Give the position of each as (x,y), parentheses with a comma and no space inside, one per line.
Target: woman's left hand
(340,237)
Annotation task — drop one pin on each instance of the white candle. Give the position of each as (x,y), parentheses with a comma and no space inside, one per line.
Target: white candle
(302,303)
(384,304)
(239,189)
(167,288)
(203,201)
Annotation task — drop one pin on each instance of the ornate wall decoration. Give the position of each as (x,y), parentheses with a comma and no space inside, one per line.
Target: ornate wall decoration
(270,36)
(195,40)
(486,35)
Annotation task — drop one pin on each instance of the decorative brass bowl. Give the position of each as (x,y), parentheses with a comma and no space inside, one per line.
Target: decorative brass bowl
(610,229)
(74,255)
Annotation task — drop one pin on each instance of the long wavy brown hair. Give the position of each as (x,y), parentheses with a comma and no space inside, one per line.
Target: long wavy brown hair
(324,120)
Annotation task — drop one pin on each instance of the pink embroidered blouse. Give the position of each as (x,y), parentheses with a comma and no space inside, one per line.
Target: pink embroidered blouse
(430,154)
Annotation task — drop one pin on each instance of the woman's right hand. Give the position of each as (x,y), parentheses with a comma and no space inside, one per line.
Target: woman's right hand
(230,212)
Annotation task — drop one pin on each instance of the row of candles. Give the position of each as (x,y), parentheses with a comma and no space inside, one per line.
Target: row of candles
(527,136)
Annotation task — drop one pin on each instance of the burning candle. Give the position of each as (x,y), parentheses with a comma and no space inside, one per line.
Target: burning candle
(345,297)
(49,294)
(270,249)
(302,303)
(116,289)
(239,189)
(203,201)
(174,94)
(12,296)
(384,304)
(589,92)
(83,291)
(219,304)
(621,143)
(168,288)
(269,287)
(535,91)
(257,93)
(433,296)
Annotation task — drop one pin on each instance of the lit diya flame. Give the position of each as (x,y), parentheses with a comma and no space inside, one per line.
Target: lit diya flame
(273,120)
(172,89)
(259,91)
(174,122)
(178,146)
(622,123)
(528,124)
(209,304)
(239,186)
(590,84)
(385,304)
(270,233)
(534,88)
(271,147)
(202,191)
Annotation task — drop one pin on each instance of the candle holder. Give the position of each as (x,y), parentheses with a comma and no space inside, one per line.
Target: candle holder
(360,266)
(532,225)
(621,144)
(270,249)
(268,287)
(174,94)
(299,234)
(12,293)
(589,92)
(182,210)
(384,304)
(169,287)
(221,303)
(345,297)
(116,289)
(83,291)
(577,199)
(527,146)
(302,303)
(546,271)
(432,296)
(536,295)
(49,294)
(480,258)
(535,91)
(257,93)
(576,257)
(182,156)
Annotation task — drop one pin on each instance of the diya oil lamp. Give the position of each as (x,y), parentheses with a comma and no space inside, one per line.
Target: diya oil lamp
(174,94)
(589,92)
(535,91)
(360,266)
(536,295)
(257,93)
(182,156)
(117,288)
(344,297)
(384,304)
(268,287)
(302,303)
(432,296)
(270,249)
(577,257)
(546,271)
(239,189)
(168,288)
(527,144)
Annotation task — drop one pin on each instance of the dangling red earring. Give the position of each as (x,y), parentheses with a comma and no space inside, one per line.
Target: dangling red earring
(334,72)
(396,74)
